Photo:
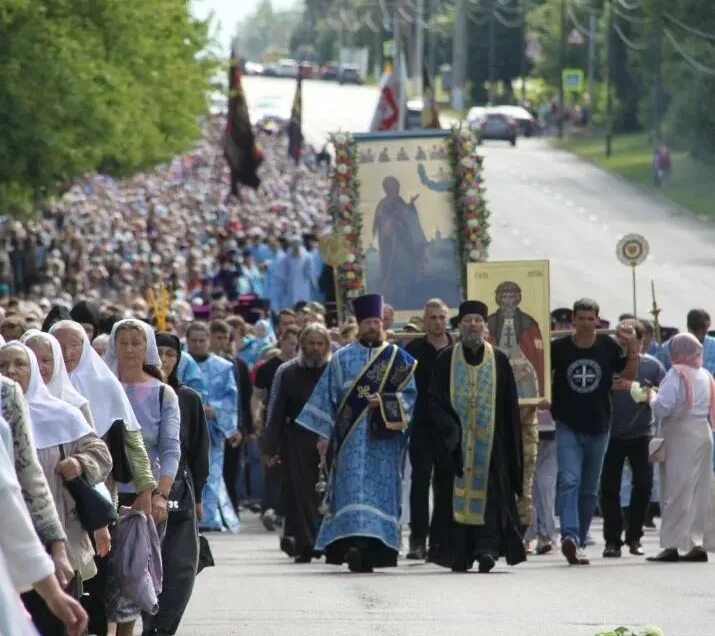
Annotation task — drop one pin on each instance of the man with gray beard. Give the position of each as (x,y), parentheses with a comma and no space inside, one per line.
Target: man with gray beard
(294,446)
(473,399)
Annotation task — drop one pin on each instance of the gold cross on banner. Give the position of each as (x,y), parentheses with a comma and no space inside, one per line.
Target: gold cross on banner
(363,392)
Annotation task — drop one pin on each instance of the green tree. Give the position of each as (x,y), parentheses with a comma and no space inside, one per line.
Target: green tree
(86,85)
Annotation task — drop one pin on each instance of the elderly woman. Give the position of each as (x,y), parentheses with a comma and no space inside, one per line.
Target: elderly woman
(67,447)
(48,351)
(685,403)
(133,356)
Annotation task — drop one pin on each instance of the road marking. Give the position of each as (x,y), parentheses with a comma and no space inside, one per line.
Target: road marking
(581,210)
(593,218)
(526,242)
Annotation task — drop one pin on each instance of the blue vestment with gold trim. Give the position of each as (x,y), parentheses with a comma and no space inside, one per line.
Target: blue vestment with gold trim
(365,482)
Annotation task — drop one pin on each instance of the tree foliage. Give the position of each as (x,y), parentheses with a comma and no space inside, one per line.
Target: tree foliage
(110,85)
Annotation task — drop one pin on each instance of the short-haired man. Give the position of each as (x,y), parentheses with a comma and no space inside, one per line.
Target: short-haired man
(630,436)
(427,450)
(583,367)
(220,401)
(698,323)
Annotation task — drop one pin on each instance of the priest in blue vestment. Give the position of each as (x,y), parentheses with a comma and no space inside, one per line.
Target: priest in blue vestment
(473,400)
(361,408)
(220,400)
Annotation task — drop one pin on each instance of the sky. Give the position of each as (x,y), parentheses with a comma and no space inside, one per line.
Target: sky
(227,14)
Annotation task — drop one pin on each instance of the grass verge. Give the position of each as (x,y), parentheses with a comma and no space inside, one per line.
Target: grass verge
(691,182)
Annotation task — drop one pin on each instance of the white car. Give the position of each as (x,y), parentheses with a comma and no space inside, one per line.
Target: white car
(270,112)
(524,119)
(476,116)
(287,68)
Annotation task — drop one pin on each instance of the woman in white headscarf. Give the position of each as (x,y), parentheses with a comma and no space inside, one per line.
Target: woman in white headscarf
(93,379)
(24,563)
(685,403)
(48,352)
(67,447)
(133,355)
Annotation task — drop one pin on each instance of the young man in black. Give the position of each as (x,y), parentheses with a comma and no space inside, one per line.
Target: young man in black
(630,435)
(583,366)
(427,451)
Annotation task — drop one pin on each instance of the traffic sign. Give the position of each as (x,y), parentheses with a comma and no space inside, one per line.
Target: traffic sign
(572,79)
(575,38)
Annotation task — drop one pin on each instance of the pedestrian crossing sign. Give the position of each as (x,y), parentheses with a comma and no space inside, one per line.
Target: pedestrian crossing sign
(572,80)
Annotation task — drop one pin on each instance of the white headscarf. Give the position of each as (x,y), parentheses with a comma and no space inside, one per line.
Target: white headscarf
(2,341)
(95,381)
(151,357)
(59,385)
(54,422)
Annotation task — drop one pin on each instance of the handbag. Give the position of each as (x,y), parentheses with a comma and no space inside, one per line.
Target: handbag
(121,466)
(94,511)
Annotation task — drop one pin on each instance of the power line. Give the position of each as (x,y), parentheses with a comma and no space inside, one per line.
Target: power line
(577,24)
(633,19)
(631,6)
(505,22)
(687,57)
(628,42)
(689,29)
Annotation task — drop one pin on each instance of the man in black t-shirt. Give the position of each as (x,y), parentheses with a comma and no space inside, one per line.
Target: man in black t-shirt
(583,366)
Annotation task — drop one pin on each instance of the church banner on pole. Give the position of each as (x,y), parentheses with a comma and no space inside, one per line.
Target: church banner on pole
(518,297)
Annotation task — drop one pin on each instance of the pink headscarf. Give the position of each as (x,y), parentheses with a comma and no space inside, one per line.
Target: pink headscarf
(687,352)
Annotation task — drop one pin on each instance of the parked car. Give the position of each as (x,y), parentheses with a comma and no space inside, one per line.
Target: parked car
(476,116)
(349,74)
(307,70)
(253,68)
(525,121)
(497,125)
(287,68)
(329,71)
(270,113)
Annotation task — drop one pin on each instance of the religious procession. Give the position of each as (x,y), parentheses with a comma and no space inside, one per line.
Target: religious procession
(287,370)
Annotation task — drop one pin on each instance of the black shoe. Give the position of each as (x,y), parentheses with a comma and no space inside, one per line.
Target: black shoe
(569,549)
(269,520)
(288,546)
(460,567)
(486,563)
(305,556)
(669,555)
(356,561)
(417,551)
(612,551)
(635,548)
(696,555)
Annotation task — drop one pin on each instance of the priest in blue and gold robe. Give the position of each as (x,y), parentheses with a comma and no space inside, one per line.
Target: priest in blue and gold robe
(473,400)
(361,407)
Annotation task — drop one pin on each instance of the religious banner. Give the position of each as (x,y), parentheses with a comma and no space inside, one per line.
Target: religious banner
(519,323)
(411,208)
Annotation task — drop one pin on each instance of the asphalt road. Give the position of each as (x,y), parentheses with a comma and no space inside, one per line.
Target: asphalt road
(549,204)
(256,590)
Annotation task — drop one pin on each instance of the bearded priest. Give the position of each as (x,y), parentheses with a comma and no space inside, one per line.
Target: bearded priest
(473,399)
(362,406)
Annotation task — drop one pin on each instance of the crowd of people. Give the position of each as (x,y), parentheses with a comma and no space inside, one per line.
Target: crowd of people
(133,424)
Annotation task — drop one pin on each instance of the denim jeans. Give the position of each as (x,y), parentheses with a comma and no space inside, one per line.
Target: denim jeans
(580,458)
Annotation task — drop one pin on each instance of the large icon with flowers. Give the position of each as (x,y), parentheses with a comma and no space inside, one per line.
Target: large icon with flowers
(411,209)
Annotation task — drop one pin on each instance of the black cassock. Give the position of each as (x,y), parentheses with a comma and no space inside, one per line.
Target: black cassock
(180,548)
(296,446)
(500,535)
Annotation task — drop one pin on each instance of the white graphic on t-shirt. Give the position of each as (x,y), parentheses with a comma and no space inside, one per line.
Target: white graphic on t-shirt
(584,375)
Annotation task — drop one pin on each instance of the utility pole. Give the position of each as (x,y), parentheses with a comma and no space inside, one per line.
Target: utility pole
(609,80)
(397,68)
(419,48)
(591,63)
(658,78)
(459,55)
(492,53)
(562,66)
(431,34)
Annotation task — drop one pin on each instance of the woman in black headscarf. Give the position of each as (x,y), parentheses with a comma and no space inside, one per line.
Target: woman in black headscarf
(180,549)
(87,314)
